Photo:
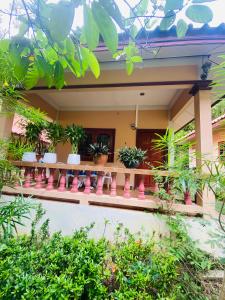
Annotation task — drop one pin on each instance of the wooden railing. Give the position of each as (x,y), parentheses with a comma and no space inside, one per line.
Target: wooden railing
(35,175)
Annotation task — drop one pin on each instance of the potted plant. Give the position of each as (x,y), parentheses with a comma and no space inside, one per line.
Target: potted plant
(55,133)
(17,147)
(187,182)
(33,133)
(75,134)
(131,157)
(100,153)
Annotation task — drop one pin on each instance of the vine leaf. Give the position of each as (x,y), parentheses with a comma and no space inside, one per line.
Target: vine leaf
(59,76)
(181,28)
(199,13)
(106,26)
(32,77)
(91,61)
(173,5)
(168,20)
(91,30)
(112,9)
(61,11)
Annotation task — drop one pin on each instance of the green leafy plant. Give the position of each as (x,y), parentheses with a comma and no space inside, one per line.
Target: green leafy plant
(33,135)
(9,174)
(98,149)
(75,134)
(12,214)
(129,267)
(55,133)
(131,157)
(17,147)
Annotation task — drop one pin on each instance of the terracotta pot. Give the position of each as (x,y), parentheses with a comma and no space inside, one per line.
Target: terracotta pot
(101,159)
(187,198)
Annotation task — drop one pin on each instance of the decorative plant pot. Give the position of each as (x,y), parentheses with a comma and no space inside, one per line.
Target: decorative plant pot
(73,159)
(131,166)
(50,158)
(187,198)
(101,159)
(29,157)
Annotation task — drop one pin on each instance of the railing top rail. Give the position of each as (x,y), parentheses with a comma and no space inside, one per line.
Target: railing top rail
(94,168)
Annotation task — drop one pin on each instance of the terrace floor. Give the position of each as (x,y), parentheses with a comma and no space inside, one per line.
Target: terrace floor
(150,203)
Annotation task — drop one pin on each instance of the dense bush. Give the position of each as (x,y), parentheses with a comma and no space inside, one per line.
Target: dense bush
(77,267)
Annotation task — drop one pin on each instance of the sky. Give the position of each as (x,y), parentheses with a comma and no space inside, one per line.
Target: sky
(217,6)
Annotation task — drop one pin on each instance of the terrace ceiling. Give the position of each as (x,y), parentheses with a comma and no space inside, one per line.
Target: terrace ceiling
(111,98)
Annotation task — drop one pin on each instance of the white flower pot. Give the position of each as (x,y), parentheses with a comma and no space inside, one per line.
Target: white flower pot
(29,157)
(73,159)
(50,158)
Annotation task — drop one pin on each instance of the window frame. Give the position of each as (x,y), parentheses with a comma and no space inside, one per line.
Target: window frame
(95,132)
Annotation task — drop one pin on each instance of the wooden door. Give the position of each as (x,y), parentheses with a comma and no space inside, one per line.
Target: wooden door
(145,141)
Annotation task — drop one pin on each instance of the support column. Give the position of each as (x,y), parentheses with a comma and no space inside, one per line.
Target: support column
(204,142)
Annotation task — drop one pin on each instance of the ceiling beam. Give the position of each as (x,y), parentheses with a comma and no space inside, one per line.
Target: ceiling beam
(125,84)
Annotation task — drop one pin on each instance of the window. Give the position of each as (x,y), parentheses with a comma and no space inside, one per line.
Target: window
(98,135)
(222,151)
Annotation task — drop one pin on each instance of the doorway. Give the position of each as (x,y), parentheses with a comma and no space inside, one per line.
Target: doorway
(145,140)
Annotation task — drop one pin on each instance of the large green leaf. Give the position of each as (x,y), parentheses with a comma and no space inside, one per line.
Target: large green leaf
(61,20)
(91,30)
(181,28)
(173,5)
(92,61)
(199,13)
(32,76)
(59,76)
(113,10)
(168,20)
(106,26)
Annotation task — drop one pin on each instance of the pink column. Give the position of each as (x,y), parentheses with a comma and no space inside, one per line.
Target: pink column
(62,184)
(113,185)
(126,193)
(39,179)
(74,188)
(17,182)
(50,180)
(141,189)
(100,184)
(44,174)
(187,198)
(27,175)
(87,189)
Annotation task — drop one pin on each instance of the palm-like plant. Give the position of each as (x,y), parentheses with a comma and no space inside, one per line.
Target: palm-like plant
(17,147)
(55,133)
(33,134)
(75,134)
(98,149)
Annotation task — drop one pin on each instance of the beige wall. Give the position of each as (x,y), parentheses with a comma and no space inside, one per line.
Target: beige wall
(37,102)
(120,120)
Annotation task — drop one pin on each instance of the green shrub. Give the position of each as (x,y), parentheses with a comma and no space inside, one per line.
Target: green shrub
(77,267)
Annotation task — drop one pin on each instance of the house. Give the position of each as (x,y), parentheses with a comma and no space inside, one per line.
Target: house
(164,91)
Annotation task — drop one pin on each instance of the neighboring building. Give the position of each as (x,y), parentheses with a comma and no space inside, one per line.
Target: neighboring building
(218,129)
